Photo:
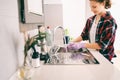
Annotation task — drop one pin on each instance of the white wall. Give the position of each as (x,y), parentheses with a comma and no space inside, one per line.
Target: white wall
(9,37)
(88,10)
(53,11)
(116,14)
(53,15)
(53,1)
(74,16)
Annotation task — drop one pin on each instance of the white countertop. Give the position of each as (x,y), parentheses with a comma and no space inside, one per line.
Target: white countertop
(103,71)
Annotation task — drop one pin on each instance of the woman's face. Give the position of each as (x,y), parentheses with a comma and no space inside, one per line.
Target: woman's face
(96,7)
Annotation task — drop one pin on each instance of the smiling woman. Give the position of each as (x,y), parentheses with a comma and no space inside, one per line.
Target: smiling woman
(100,30)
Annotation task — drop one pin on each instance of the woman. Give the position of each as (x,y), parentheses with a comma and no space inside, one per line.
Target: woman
(100,30)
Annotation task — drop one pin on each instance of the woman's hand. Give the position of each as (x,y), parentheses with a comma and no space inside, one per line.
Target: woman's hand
(75,45)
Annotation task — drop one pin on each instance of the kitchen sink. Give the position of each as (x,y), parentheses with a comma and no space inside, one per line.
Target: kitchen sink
(61,55)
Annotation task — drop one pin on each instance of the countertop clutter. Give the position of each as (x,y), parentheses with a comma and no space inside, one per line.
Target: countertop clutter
(102,71)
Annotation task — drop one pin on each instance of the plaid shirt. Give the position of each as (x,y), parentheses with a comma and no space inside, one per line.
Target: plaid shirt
(105,34)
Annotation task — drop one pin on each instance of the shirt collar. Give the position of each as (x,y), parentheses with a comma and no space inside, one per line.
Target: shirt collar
(106,15)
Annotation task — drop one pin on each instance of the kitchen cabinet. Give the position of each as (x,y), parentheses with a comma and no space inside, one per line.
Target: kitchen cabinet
(31,12)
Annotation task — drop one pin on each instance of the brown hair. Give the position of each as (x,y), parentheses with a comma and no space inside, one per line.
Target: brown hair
(107,3)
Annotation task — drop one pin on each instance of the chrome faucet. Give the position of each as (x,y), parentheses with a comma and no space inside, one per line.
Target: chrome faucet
(63,39)
(54,58)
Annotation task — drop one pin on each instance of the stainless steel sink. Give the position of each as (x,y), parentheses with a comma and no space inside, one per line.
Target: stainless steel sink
(60,55)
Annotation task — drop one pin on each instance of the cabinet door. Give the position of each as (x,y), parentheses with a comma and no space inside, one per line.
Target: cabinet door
(31,11)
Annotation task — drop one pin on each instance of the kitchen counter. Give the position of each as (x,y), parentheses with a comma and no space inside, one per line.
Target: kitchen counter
(103,71)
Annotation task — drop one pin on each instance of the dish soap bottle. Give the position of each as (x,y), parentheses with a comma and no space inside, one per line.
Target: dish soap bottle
(67,37)
(49,37)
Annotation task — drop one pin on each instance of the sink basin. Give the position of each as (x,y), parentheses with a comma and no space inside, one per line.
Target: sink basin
(60,55)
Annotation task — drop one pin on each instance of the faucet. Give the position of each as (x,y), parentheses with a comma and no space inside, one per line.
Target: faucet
(59,27)
(54,51)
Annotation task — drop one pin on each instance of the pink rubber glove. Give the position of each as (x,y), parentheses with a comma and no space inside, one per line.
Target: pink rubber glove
(76,45)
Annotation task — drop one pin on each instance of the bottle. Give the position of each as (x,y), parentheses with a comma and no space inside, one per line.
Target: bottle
(49,37)
(67,37)
(35,60)
(43,47)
